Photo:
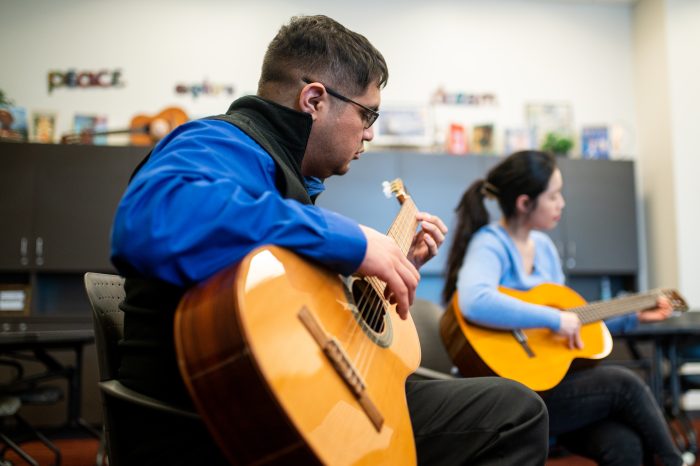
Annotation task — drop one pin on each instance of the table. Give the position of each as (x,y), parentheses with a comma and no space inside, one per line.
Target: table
(40,342)
(667,338)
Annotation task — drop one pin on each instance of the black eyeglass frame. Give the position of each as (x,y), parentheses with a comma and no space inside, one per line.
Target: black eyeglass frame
(369,115)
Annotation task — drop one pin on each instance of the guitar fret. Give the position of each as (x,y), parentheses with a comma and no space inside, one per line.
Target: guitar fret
(601,310)
(404,226)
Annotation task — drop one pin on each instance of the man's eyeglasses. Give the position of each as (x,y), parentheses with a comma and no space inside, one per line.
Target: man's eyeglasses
(368,115)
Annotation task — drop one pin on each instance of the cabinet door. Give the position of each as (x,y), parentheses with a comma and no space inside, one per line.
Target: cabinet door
(437,183)
(600,216)
(77,191)
(16,196)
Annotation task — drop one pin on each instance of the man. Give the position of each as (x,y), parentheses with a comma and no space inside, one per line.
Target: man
(215,189)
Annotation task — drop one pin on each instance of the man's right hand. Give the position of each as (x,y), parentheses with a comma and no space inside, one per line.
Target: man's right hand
(570,327)
(384,260)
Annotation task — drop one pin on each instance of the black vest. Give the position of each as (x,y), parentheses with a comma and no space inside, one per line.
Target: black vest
(147,352)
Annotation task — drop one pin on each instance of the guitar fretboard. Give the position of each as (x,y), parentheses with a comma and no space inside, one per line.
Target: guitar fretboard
(404,227)
(601,310)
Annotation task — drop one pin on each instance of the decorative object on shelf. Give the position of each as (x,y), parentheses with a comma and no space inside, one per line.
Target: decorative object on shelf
(482,139)
(407,126)
(595,143)
(516,139)
(144,130)
(92,127)
(43,128)
(457,140)
(13,123)
(545,118)
(557,144)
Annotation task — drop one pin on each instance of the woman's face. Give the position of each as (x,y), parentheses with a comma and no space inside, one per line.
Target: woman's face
(550,205)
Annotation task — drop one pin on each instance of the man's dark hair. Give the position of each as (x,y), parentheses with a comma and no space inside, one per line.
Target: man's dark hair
(320,48)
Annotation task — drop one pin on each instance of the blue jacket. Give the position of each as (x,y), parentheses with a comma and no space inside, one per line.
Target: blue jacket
(207,197)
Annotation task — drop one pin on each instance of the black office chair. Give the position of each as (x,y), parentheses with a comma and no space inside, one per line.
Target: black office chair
(105,292)
(435,362)
(23,390)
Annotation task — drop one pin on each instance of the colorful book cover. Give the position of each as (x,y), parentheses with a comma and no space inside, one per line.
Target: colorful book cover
(595,143)
(43,127)
(91,124)
(482,139)
(13,123)
(517,139)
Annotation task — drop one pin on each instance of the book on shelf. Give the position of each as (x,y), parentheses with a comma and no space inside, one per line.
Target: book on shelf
(595,142)
(13,123)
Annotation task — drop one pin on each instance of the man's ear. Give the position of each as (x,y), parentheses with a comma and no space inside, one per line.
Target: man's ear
(312,99)
(523,204)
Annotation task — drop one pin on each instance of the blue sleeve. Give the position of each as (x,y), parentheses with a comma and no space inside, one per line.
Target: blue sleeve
(480,300)
(207,197)
(622,324)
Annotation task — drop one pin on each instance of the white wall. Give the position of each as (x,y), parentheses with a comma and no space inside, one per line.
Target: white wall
(523,51)
(684,73)
(615,63)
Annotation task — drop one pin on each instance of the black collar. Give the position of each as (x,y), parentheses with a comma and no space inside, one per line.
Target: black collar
(289,128)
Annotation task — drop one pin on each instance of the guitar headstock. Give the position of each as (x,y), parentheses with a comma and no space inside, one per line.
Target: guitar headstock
(395,188)
(677,301)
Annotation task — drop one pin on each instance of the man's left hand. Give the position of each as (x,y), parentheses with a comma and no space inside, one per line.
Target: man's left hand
(427,241)
(662,311)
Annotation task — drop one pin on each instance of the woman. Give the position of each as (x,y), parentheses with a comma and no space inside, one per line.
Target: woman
(604,413)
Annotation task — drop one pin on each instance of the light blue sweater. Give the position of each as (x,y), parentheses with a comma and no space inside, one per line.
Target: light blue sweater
(492,260)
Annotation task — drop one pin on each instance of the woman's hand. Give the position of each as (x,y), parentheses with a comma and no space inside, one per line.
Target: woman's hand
(662,311)
(570,327)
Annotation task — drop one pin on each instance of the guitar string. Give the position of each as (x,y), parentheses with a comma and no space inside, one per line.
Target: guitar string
(376,313)
(370,314)
(399,231)
(603,309)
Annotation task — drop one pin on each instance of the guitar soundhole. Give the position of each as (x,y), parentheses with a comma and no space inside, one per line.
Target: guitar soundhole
(369,305)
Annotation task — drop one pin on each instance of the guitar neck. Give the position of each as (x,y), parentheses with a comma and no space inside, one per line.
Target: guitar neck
(404,227)
(601,310)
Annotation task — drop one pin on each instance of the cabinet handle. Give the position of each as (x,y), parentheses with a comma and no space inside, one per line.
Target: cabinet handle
(23,249)
(39,250)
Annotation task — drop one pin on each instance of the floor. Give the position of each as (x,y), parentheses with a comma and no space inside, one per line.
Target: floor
(83,452)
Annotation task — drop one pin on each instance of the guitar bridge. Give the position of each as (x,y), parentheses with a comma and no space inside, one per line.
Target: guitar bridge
(342,365)
(522,339)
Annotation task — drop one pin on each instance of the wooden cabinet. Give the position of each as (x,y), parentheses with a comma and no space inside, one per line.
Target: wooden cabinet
(598,232)
(57,207)
(58,204)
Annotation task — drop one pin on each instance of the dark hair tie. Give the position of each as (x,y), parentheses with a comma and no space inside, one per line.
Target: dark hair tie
(490,191)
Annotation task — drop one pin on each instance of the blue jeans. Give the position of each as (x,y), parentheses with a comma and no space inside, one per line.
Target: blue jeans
(608,414)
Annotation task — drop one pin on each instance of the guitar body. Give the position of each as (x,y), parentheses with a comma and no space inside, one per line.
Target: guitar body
(482,351)
(263,384)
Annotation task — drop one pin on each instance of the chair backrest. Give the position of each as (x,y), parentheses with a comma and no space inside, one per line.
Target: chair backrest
(426,315)
(105,292)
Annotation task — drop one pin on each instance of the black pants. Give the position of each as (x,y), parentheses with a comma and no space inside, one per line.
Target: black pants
(485,421)
(608,414)
(479,421)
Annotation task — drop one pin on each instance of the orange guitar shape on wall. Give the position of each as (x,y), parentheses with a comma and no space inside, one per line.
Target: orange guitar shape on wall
(144,130)
(539,358)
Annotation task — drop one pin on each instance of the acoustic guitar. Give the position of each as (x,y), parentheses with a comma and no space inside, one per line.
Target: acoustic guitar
(143,130)
(539,358)
(290,363)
